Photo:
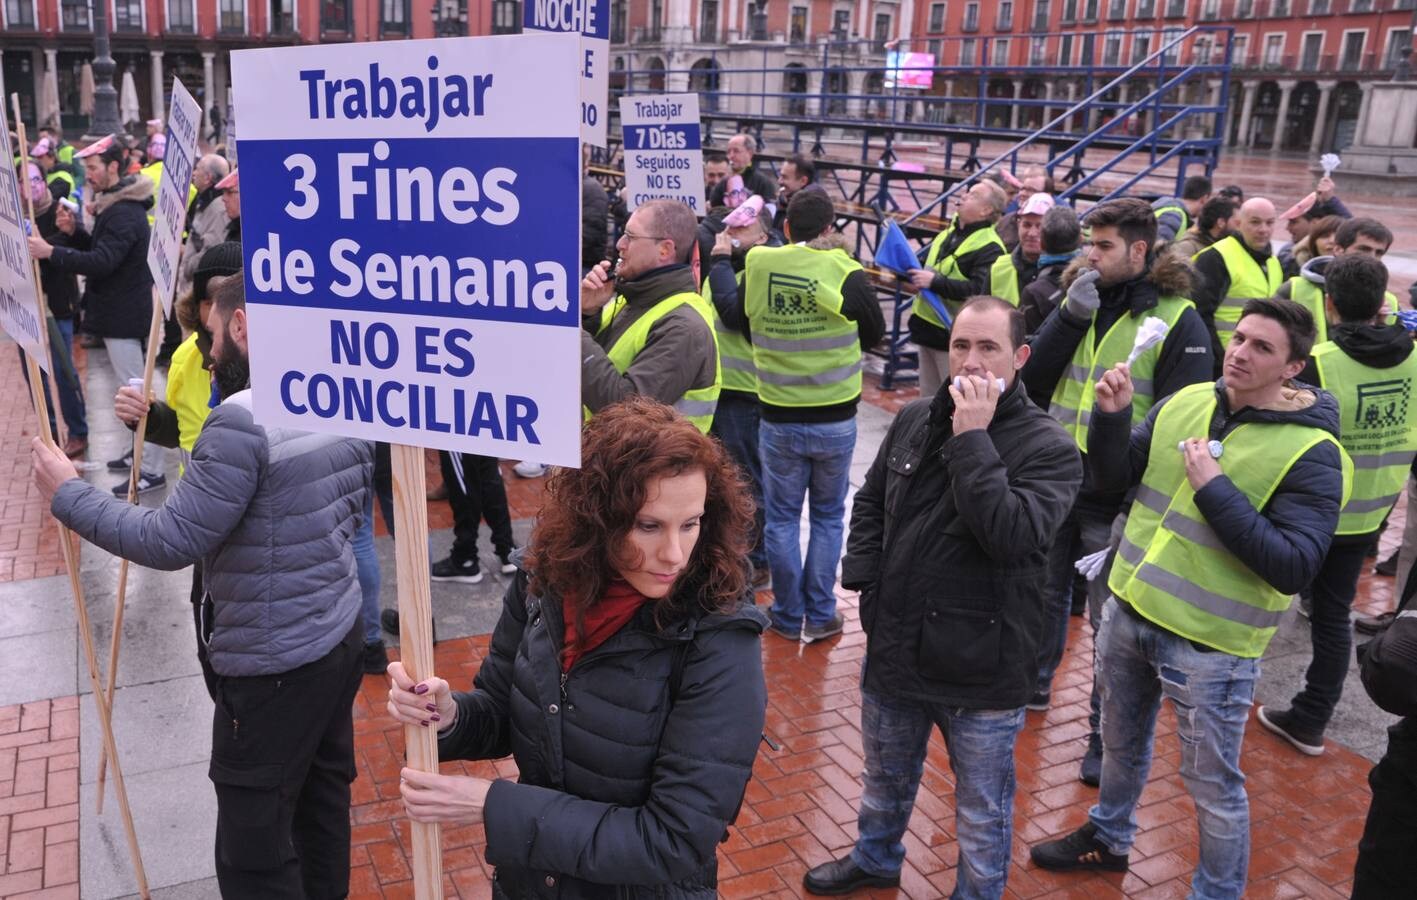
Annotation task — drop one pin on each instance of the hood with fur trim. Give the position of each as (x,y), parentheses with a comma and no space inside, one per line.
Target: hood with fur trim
(138,188)
(1170,274)
(831,240)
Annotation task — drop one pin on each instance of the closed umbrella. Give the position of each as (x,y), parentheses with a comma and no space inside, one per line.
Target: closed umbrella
(128,111)
(86,89)
(49,99)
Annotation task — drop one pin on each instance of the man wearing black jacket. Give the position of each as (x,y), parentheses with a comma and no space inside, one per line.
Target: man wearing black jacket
(113,257)
(949,547)
(741,149)
(1092,331)
(1371,369)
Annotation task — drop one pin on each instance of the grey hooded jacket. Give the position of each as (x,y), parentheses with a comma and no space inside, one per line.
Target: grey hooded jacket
(270,512)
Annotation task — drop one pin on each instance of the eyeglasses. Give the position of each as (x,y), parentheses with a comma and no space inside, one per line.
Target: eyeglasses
(627,235)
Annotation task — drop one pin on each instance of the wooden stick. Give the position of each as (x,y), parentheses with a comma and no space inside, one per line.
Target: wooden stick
(415,599)
(154,338)
(105,722)
(34,264)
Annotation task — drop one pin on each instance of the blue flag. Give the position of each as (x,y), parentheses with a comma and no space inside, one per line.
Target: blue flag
(894,253)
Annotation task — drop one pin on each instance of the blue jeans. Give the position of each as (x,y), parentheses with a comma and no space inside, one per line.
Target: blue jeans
(71,394)
(366,561)
(735,423)
(812,461)
(1332,635)
(1084,532)
(1211,694)
(894,737)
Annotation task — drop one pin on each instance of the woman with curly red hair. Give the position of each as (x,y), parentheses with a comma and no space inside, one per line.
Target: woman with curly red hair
(624,676)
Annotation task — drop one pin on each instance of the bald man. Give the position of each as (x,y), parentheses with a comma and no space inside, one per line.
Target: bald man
(1236,269)
(206,219)
(741,150)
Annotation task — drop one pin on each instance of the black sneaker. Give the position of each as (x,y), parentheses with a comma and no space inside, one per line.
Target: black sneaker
(1079,850)
(146,484)
(376,657)
(389,618)
(1281,722)
(506,564)
(1039,701)
(812,633)
(842,876)
(122,463)
(1090,772)
(1374,624)
(783,631)
(465,572)
(1387,567)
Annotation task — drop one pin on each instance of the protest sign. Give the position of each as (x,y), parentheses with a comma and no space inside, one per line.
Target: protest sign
(591,20)
(21,314)
(412,241)
(184,118)
(663,159)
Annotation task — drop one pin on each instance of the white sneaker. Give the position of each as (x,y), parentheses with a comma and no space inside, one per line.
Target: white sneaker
(528,469)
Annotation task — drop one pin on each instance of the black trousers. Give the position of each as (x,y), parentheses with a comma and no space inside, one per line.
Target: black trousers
(282,763)
(476,492)
(1389,843)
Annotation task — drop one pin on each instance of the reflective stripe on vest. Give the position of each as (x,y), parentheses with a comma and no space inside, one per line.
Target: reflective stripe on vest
(735,354)
(1247,281)
(807,353)
(1073,397)
(1377,429)
(698,404)
(1171,567)
(949,267)
(1310,296)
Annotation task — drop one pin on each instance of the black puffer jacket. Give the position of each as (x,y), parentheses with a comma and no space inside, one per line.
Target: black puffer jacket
(949,546)
(61,288)
(626,786)
(114,257)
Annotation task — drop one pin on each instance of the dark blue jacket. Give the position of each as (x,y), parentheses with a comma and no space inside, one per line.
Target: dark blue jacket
(626,784)
(1285,542)
(118,292)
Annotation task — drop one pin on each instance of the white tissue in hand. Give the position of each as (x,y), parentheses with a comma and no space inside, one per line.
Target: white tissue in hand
(1152,332)
(1329,161)
(959,383)
(1090,566)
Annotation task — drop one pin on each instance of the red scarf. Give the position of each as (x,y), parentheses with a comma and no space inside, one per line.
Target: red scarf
(616,607)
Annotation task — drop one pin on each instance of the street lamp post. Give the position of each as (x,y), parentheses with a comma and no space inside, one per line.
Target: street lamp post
(1403,72)
(105,96)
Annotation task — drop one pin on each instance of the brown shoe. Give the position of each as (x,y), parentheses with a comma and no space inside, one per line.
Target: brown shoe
(1373,624)
(75,447)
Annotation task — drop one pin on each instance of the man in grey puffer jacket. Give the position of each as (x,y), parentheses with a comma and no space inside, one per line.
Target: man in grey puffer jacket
(270,513)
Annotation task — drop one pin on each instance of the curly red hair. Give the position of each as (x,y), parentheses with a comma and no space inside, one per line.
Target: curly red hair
(588,512)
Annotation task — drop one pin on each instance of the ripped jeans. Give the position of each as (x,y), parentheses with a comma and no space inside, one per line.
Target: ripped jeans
(1211,694)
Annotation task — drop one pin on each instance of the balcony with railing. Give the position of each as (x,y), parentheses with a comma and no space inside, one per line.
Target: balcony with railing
(647,34)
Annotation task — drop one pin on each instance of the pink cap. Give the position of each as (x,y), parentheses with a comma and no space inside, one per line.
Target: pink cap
(101,145)
(1010,179)
(1037,205)
(231,181)
(1300,208)
(43,148)
(746,214)
(154,123)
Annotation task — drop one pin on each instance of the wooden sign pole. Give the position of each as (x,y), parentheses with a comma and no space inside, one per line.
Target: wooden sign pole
(415,598)
(120,601)
(105,722)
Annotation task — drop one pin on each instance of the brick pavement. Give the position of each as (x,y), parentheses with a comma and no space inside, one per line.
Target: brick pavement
(39,799)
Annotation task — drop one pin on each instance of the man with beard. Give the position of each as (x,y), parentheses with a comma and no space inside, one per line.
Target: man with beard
(270,513)
(113,258)
(736,421)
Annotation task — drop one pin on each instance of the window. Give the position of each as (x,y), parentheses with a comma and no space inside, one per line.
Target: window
(1088,49)
(74,15)
(506,17)
(128,15)
(618,17)
(971,17)
(1065,50)
(1006,15)
(1089,10)
(708,21)
(841,24)
(1362,6)
(1273,49)
(1310,51)
(1141,46)
(882,32)
(1038,51)
(1244,8)
(1001,52)
(282,15)
(1353,42)
(394,17)
(1112,49)
(1175,9)
(1116,10)
(19,14)
(1167,36)
(1279,9)
(798,25)
(937,18)
(232,16)
(1398,40)
(1070,11)
(1240,50)
(1203,50)
(1146,9)
(933,47)
(656,21)
(1319,7)
(966,52)
(1040,15)
(1210,10)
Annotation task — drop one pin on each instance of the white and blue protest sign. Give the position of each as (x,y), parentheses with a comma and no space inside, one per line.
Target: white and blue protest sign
(183,122)
(410,222)
(591,20)
(21,315)
(664,158)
